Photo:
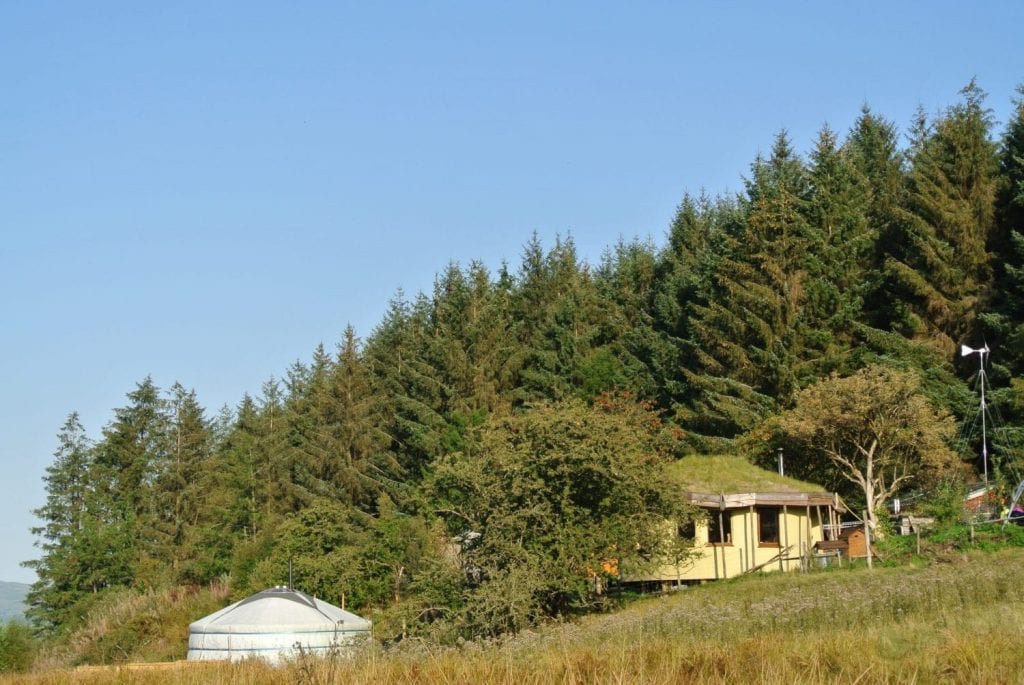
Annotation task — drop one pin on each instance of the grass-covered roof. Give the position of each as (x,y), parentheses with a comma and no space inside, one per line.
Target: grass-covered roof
(731,474)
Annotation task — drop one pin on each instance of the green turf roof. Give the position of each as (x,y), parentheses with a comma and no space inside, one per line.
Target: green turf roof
(730,474)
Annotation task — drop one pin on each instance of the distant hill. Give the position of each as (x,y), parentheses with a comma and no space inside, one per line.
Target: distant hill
(12,600)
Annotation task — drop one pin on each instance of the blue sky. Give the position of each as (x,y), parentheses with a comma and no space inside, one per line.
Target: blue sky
(202,192)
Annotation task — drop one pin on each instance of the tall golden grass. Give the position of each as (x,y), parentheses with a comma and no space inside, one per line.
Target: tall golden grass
(956,621)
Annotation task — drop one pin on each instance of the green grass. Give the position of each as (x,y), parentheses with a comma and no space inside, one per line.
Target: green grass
(132,626)
(733,474)
(955,620)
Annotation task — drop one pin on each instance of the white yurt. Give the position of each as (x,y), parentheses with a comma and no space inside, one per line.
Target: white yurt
(271,625)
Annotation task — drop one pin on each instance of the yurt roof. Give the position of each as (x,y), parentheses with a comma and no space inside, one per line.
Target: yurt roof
(279,609)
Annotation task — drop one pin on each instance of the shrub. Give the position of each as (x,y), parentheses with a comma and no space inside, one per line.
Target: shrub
(17,647)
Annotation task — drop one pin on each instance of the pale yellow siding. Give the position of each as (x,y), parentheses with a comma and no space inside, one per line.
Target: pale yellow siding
(797,533)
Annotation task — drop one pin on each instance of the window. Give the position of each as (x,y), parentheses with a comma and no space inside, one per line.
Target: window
(719,528)
(768,526)
(687,531)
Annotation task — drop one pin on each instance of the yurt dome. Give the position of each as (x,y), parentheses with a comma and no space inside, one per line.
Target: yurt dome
(271,625)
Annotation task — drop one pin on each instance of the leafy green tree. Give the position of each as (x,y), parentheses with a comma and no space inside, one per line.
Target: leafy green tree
(874,151)
(470,343)
(67,485)
(17,647)
(875,428)
(547,498)
(344,555)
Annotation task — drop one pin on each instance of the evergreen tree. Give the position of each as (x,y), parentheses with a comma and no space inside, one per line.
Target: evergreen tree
(469,342)
(632,353)
(837,280)
(557,315)
(63,518)
(183,479)
(939,267)
(744,338)
(411,387)
(128,460)
(1004,318)
(698,240)
(360,466)
(875,153)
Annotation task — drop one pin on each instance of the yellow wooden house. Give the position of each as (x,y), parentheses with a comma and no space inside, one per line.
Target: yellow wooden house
(754,521)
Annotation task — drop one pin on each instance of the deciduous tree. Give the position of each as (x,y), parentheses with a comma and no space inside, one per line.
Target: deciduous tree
(876,429)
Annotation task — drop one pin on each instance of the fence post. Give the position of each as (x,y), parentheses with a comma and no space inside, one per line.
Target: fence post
(867,536)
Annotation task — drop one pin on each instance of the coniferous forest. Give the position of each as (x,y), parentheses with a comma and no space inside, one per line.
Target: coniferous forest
(463,468)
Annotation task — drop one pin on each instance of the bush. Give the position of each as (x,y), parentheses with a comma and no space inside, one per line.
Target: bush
(17,647)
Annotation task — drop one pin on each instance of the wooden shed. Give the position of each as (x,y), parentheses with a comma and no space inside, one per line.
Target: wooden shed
(851,544)
(755,520)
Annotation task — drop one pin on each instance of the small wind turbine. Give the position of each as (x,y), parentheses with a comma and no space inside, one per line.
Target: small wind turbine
(981,352)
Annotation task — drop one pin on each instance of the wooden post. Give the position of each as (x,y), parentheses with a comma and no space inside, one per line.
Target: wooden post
(785,528)
(807,559)
(721,535)
(752,539)
(867,536)
(917,529)
(714,557)
(821,525)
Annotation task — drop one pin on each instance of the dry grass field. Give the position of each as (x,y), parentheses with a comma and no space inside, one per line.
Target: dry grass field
(957,619)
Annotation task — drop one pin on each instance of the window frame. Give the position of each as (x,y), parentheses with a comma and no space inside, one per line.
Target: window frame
(761,541)
(725,535)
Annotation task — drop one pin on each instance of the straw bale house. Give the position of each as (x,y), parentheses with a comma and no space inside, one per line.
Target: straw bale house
(755,520)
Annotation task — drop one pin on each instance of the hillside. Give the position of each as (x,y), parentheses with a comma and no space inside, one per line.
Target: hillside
(953,620)
(12,600)
(533,410)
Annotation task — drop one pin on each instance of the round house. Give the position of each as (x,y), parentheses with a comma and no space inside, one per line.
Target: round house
(273,625)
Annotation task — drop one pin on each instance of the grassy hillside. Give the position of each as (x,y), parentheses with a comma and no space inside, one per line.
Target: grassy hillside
(953,620)
(12,600)
(732,474)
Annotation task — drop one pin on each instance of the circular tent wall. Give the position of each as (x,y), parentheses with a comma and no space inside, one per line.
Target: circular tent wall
(270,625)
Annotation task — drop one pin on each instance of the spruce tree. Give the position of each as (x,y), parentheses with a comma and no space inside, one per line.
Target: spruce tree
(938,265)
(63,518)
(410,385)
(837,279)
(182,483)
(744,338)
(1004,315)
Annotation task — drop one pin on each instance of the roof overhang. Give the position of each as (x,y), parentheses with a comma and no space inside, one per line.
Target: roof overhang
(764,499)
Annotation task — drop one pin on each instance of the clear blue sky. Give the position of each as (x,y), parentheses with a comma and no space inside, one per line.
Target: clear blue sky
(205,191)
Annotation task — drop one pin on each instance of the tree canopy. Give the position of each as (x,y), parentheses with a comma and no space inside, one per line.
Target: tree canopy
(875,428)
(473,463)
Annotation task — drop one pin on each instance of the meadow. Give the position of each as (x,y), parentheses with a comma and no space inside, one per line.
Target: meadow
(955,618)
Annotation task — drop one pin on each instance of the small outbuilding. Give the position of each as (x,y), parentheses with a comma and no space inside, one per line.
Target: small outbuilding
(755,520)
(851,544)
(273,625)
